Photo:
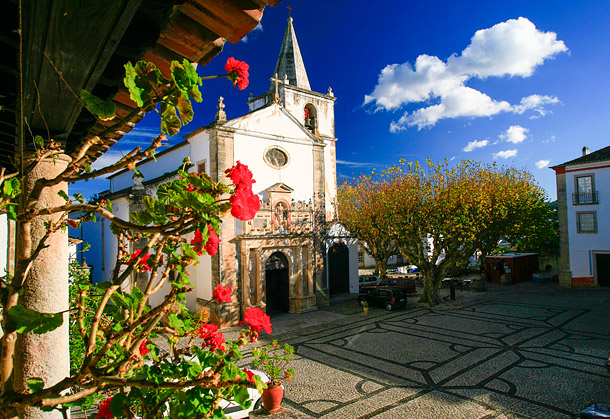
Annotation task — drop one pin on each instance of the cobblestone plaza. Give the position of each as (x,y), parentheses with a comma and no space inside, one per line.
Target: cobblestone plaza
(522,351)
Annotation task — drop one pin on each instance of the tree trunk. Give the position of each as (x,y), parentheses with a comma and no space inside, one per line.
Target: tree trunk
(45,290)
(432,285)
(382,267)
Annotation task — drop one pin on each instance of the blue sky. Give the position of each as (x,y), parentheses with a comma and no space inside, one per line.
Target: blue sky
(522,83)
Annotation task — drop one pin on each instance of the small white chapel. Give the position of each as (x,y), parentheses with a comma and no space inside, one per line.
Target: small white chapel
(293,256)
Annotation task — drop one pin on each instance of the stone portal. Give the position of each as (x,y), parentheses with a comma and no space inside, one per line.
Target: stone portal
(277,284)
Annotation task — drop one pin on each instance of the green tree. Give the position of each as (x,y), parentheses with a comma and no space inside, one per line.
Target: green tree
(438,216)
(358,208)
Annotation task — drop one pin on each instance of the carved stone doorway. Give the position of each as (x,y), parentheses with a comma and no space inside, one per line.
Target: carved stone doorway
(277,284)
(338,269)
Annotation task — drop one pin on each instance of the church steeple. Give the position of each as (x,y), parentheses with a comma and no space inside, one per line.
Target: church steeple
(290,62)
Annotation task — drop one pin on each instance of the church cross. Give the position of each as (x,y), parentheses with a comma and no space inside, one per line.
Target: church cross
(289,9)
(275,81)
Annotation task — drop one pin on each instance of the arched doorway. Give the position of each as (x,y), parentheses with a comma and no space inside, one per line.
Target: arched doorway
(277,283)
(338,269)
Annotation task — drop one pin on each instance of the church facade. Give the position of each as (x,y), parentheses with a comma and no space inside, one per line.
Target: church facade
(293,256)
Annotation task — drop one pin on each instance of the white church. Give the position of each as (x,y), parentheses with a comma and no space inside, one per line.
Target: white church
(293,256)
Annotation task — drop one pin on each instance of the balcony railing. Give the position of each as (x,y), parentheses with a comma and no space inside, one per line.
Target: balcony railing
(589,198)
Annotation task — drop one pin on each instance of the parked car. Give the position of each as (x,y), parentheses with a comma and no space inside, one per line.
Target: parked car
(367,280)
(597,410)
(405,284)
(390,298)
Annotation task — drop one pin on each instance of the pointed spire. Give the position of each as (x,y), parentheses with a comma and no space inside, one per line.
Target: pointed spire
(290,62)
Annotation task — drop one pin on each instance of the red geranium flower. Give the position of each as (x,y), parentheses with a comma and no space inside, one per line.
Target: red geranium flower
(207,330)
(143,263)
(240,175)
(222,294)
(211,247)
(143,348)
(250,375)
(211,337)
(197,242)
(244,204)
(104,411)
(257,320)
(238,72)
(217,342)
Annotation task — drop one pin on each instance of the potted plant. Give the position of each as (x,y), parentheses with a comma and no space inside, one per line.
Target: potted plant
(274,360)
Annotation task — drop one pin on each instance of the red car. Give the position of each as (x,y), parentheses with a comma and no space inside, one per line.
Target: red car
(405,284)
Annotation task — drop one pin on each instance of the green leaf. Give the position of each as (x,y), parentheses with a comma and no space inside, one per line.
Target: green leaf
(175,323)
(242,397)
(12,215)
(149,76)
(102,109)
(39,142)
(11,187)
(135,92)
(185,108)
(35,384)
(170,123)
(79,197)
(64,195)
(186,78)
(25,320)
(119,404)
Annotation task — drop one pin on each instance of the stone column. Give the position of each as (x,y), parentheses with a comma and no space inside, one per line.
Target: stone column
(258,278)
(319,205)
(46,356)
(136,204)
(565,274)
(224,266)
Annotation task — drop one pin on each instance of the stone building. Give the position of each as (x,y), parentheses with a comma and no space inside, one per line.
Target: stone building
(293,256)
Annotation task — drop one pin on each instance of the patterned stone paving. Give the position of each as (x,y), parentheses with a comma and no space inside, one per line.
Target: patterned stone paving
(527,351)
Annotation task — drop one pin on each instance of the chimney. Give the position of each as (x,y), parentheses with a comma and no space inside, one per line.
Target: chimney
(585,151)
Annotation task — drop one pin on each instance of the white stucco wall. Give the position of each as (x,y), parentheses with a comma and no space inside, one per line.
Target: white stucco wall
(582,245)
(151,169)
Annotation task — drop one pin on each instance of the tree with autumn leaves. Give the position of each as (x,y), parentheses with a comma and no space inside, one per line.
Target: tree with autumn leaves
(438,216)
(358,206)
(117,326)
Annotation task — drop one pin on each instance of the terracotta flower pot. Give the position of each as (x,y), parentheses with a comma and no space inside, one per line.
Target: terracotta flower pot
(272,397)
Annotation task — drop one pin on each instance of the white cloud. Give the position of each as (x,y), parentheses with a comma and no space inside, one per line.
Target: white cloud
(354,163)
(258,28)
(515,134)
(535,103)
(541,164)
(475,144)
(511,48)
(505,154)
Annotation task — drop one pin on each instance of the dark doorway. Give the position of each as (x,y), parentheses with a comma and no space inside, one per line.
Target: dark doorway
(277,284)
(602,264)
(338,269)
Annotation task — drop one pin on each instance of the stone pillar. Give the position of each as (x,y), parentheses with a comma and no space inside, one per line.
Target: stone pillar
(565,274)
(258,281)
(46,356)
(136,204)
(224,266)
(319,246)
